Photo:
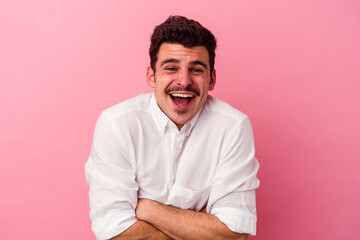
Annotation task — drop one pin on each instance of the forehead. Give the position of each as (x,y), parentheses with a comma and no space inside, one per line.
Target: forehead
(181,53)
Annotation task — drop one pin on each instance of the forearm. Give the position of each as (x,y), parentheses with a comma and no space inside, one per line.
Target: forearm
(184,224)
(142,230)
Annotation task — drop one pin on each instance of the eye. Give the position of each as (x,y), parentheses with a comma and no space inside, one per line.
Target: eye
(170,68)
(196,70)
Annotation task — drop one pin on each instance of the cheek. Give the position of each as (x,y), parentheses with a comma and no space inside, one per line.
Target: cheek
(204,87)
(164,81)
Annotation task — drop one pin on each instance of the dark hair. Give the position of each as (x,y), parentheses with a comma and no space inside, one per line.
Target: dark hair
(187,32)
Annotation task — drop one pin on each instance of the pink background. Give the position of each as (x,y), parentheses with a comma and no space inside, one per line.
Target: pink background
(292,66)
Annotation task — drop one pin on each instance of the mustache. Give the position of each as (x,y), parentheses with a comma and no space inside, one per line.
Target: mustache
(188,88)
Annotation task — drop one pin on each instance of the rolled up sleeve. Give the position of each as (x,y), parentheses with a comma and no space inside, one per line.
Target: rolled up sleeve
(111,177)
(232,197)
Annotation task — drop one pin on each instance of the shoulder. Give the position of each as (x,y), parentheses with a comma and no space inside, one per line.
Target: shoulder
(221,111)
(134,105)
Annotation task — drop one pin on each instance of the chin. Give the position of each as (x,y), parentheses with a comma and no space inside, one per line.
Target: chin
(181,112)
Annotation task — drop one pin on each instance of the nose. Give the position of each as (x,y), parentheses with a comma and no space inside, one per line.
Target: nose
(184,79)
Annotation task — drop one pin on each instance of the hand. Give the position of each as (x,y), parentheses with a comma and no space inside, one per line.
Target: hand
(143,208)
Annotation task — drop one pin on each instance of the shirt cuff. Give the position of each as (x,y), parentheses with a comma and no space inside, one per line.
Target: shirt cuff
(236,220)
(112,225)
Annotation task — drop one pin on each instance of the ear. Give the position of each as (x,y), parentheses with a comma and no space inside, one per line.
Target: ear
(150,77)
(212,80)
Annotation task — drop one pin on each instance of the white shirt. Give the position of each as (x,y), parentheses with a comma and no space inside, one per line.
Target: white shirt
(138,152)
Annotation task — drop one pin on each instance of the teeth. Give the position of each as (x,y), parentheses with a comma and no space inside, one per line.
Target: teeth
(181,95)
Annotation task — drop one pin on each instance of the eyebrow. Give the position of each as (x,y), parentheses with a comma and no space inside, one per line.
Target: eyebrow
(199,63)
(170,60)
(173,60)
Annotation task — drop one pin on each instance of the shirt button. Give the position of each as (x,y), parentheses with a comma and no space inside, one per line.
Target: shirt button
(176,147)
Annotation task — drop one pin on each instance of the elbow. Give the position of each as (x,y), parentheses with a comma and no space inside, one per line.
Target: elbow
(240,236)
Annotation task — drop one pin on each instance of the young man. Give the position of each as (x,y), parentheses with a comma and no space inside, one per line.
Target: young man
(178,163)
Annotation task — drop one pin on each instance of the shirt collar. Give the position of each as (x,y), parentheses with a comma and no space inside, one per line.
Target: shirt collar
(162,120)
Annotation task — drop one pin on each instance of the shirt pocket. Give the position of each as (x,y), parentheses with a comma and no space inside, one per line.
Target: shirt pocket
(186,198)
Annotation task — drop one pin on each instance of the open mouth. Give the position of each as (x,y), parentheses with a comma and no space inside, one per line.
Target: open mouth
(182,100)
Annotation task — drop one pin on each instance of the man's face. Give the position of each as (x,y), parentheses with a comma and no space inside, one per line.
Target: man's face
(181,81)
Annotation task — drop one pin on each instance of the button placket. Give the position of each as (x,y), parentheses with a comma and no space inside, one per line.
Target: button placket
(172,137)
(177,140)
